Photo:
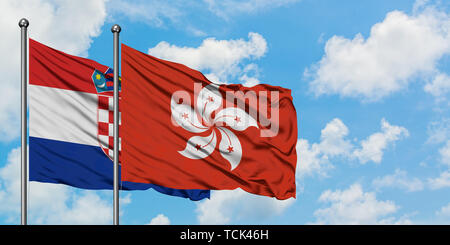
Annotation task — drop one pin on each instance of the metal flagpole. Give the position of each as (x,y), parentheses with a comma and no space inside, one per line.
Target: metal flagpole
(23,23)
(116,30)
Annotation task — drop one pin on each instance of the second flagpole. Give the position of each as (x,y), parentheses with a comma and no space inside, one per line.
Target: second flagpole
(116,30)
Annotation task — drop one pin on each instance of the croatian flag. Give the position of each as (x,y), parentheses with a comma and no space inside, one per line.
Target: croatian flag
(71,123)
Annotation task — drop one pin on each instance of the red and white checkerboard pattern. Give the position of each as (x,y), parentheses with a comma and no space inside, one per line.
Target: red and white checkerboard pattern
(105,120)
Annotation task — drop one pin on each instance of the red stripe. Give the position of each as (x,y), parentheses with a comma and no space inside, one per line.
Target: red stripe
(103,102)
(111,142)
(52,68)
(103,128)
(111,117)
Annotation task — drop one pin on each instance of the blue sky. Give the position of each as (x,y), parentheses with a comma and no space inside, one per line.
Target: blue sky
(370,82)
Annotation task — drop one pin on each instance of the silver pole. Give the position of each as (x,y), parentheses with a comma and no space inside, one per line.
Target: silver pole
(23,23)
(116,30)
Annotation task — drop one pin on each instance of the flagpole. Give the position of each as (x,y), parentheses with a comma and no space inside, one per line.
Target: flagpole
(116,30)
(23,24)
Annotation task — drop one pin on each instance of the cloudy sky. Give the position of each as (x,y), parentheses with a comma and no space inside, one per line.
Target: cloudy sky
(370,82)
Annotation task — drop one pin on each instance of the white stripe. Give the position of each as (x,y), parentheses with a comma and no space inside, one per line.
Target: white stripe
(111,103)
(111,129)
(103,116)
(104,140)
(63,115)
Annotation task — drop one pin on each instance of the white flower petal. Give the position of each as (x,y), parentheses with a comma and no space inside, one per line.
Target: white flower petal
(186,117)
(230,147)
(209,99)
(200,147)
(235,118)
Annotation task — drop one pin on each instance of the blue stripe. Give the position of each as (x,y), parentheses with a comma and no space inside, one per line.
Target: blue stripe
(85,167)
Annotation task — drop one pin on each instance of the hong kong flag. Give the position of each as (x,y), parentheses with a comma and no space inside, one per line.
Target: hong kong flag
(182,131)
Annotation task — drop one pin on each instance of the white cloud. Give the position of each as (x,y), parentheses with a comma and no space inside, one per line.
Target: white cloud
(160,219)
(402,220)
(439,86)
(439,131)
(249,81)
(87,208)
(445,153)
(354,206)
(220,60)
(151,12)
(179,13)
(228,8)
(444,211)
(49,203)
(332,138)
(250,74)
(65,25)
(159,13)
(386,61)
(311,160)
(228,206)
(316,158)
(10,183)
(372,148)
(443,180)
(419,5)
(399,180)
(440,182)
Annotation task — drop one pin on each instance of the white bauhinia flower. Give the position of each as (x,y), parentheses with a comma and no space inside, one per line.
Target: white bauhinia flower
(198,120)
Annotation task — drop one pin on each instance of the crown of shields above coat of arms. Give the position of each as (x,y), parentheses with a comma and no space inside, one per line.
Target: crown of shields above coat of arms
(105,111)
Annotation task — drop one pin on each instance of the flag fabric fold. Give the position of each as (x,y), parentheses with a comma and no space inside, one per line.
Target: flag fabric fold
(182,131)
(71,123)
